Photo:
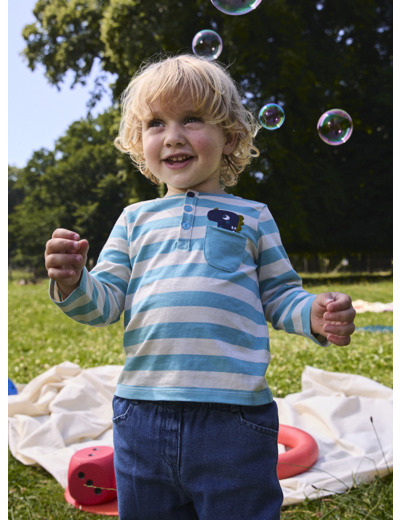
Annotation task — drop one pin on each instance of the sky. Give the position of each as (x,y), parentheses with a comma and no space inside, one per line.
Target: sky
(38,114)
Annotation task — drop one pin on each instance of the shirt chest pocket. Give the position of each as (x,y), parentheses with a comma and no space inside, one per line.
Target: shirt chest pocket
(224,249)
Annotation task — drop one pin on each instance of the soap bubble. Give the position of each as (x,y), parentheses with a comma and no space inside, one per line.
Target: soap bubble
(335,127)
(271,116)
(236,7)
(207,44)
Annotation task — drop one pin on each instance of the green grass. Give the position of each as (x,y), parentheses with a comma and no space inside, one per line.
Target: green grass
(40,336)
(369,354)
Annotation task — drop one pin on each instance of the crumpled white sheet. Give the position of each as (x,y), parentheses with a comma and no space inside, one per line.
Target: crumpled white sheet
(363,306)
(68,408)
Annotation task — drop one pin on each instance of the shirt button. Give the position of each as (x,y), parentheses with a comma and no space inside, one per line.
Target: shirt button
(186,225)
(188,208)
(190,194)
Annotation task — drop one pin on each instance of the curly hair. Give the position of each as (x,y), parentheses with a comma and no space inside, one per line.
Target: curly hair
(213,93)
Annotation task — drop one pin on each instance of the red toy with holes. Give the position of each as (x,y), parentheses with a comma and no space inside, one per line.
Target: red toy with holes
(91,477)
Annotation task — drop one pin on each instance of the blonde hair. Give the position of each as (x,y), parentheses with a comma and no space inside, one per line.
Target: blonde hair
(213,93)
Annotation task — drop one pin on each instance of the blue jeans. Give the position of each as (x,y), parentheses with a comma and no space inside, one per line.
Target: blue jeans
(187,461)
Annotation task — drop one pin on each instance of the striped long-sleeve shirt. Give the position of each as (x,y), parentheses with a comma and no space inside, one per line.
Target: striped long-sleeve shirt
(197,277)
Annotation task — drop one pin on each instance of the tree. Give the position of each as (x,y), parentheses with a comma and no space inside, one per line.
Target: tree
(15,197)
(308,57)
(30,219)
(83,184)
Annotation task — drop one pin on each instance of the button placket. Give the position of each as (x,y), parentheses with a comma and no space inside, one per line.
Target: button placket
(187,220)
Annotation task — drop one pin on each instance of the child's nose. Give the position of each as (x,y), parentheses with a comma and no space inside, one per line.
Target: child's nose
(174,136)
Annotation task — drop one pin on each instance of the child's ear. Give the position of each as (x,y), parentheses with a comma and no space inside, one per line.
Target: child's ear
(230,143)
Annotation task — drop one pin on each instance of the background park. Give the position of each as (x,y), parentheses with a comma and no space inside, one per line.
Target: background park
(333,204)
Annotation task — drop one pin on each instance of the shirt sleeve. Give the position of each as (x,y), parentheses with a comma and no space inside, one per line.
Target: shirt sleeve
(100,298)
(287,306)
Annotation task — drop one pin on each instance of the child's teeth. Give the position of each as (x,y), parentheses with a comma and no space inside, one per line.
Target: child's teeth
(178,159)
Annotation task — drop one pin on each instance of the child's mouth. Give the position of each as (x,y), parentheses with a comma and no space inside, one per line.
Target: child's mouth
(178,160)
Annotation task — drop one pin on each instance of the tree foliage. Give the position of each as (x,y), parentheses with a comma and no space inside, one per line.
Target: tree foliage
(307,56)
(82,185)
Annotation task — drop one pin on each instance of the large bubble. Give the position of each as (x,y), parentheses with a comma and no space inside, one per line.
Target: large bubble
(271,116)
(236,7)
(207,44)
(335,127)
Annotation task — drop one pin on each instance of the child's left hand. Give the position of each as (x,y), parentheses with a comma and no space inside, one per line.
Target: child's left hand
(332,316)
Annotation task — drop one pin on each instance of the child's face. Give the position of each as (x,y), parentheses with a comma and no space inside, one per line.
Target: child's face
(183,150)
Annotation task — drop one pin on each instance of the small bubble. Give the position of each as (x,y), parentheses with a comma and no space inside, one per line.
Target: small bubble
(207,44)
(335,127)
(235,7)
(271,116)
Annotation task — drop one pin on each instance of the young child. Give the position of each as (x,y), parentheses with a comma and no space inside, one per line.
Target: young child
(196,273)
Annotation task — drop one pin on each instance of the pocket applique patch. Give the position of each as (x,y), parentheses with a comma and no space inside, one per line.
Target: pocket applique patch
(224,249)
(226,219)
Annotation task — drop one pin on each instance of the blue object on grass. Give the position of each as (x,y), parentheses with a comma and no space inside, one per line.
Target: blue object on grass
(12,389)
(376,328)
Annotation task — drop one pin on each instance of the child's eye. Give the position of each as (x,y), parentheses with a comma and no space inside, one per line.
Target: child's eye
(154,123)
(193,119)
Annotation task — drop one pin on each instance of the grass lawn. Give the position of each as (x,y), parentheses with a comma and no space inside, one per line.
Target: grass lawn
(40,336)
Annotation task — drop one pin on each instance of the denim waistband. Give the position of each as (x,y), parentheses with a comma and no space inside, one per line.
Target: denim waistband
(190,405)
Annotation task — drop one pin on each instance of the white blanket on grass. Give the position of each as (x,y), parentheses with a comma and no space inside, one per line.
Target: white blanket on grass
(68,408)
(363,306)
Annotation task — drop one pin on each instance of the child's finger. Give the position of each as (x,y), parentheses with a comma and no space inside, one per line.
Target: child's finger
(339,329)
(62,273)
(345,315)
(65,233)
(339,302)
(340,341)
(83,246)
(63,260)
(61,245)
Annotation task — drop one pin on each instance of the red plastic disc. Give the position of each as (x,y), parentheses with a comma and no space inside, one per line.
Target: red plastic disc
(107,509)
(301,456)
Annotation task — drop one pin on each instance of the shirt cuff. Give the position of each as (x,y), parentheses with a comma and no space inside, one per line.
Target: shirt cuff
(55,294)
(321,340)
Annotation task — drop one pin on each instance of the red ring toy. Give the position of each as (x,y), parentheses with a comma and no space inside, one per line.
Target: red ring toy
(301,456)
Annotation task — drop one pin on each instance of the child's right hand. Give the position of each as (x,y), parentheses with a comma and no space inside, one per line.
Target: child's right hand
(65,257)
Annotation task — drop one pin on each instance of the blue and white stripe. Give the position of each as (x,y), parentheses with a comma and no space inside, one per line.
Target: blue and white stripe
(195,323)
